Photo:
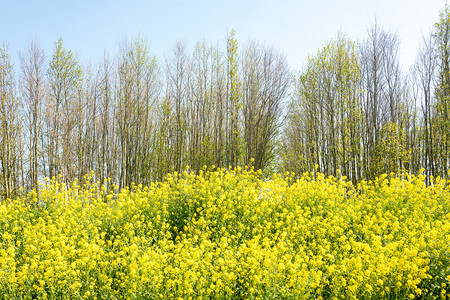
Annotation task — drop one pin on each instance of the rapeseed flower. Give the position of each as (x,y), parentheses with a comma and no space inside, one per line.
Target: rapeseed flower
(229,234)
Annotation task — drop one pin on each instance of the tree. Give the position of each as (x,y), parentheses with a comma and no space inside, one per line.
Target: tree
(107,153)
(177,74)
(234,103)
(424,71)
(138,92)
(382,90)
(10,130)
(390,150)
(33,91)
(323,126)
(205,91)
(64,76)
(442,104)
(265,81)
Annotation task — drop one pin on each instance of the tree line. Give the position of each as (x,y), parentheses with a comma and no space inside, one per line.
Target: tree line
(133,119)
(351,111)
(355,113)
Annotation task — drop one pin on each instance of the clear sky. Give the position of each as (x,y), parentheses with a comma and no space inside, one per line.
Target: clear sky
(297,28)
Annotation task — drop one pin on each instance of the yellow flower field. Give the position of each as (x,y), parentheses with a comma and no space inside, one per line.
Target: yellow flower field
(229,235)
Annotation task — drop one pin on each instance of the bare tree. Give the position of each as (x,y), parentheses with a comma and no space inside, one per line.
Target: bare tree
(425,71)
(381,82)
(177,73)
(104,89)
(138,91)
(33,89)
(266,79)
(10,130)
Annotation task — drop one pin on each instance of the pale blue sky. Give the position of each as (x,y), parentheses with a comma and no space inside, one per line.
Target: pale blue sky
(298,28)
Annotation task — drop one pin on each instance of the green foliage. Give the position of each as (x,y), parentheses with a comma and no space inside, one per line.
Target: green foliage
(390,154)
(441,123)
(325,116)
(234,104)
(64,71)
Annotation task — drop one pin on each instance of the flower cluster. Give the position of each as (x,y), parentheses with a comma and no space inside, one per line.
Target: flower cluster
(229,234)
